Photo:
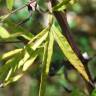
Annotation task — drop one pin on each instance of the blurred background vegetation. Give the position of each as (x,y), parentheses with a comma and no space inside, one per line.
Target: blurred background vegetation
(66,81)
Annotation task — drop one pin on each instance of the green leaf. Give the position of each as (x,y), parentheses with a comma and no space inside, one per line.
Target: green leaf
(38,39)
(8,69)
(33,44)
(42,4)
(10,54)
(29,62)
(2,18)
(12,66)
(31,59)
(6,36)
(31,47)
(21,59)
(3,33)
(10,75)
(4,70)
(13,79)
(77,92)
(18,30)
(62,5)
(12,37)
(48,51)
(93,92)
(24,58)
(69,53)
(10,4)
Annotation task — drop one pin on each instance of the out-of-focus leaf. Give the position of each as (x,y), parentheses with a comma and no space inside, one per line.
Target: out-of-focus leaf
(77,92)
(61,6)
(42,4)
(69,53)
(46,63)
(2,18)
(10,4)
(18,30)
(12,37)
(93,92)
(3,32)
(9,74)
(13,79)
(16,77)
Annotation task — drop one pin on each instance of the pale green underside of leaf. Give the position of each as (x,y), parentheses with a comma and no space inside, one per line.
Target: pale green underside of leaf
(69,53)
